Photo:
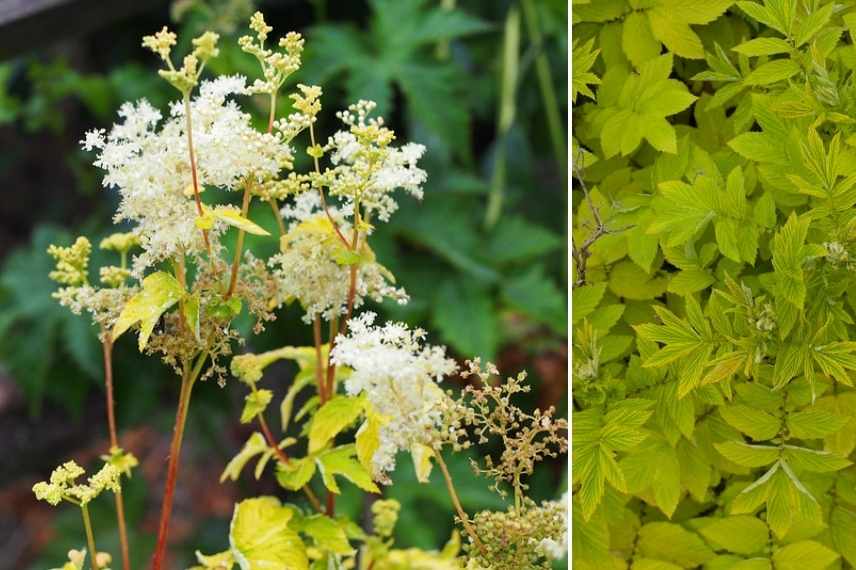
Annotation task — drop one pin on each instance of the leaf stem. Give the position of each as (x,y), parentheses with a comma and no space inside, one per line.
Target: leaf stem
(90,537)
(187,381)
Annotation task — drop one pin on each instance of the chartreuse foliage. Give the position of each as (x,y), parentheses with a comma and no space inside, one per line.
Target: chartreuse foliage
(714,317)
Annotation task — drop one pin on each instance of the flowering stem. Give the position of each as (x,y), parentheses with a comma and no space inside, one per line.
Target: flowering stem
(90,538)
(107,349)
(245,208)
(239,246)
(193,173)
(450,486)
(187,380)
(321,190)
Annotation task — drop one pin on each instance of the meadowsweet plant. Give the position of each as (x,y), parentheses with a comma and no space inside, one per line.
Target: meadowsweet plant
(713,243)
(371,392)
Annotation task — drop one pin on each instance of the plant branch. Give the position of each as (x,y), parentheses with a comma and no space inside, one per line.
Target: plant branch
(581,253)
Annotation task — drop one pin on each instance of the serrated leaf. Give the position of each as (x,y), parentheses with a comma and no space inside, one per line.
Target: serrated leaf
(763,46)
(332,417)
(260,537)
(255,445)
(673,543)
(757,424)
(584,300)
(327,533)
(367,440)
(748,455)
(160,291)
(772,72)
(742,534)
(465,318)
(803,555)
(814,423)
(296,473)
(340,461)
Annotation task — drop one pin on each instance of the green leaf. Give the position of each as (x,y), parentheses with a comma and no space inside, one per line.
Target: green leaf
(160,292)
(811,25)
(331,418)
(301,380)
(584,300)
(759,147)
(465,318)
(772,72)
(742,534)
(814,423)
(536,295)
(628,280)
(255,445)
(368,436)
(340,461)
(757,424)
(220,561)
(803,555)
(191,314)
(673,543)
(296,473)
(637,39)
(763,46)
(814,461)
(748,455)
(261,539)
(327,533)
(517,239)
(842,529)
(255,403)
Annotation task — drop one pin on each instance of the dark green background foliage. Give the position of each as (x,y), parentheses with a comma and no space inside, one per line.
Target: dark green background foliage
(484,285)
(714,412)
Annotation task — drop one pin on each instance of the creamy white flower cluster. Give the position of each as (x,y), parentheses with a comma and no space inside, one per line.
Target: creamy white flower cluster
(307,269)
(399,375)
(151,167)
(366,168)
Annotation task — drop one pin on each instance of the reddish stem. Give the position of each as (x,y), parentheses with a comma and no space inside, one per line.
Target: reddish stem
(283,458)
(172,470)
(107,349)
